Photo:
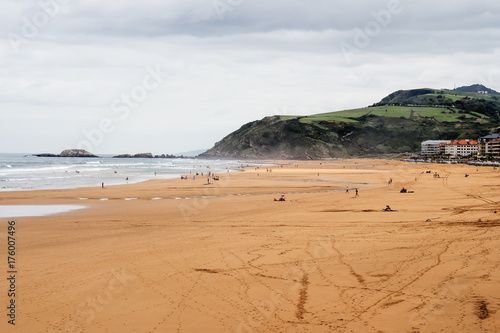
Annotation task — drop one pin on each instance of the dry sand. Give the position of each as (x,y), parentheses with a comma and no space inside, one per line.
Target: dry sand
(237,261)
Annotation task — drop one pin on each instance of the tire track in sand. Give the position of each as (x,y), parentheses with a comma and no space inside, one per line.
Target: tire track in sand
(438,262)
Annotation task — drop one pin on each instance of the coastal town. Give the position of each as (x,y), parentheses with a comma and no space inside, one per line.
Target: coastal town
(486,147)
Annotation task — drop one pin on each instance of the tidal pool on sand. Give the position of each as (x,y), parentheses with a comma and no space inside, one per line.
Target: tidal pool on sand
(35,210)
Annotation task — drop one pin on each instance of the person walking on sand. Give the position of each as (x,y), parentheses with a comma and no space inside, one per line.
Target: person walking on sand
(357,194)
(102,185)
(347,189)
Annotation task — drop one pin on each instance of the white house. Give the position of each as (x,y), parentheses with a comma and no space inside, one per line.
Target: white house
(432,147)
(460,148)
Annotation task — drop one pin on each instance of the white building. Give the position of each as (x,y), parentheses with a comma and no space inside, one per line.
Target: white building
(431,147)
(460,148)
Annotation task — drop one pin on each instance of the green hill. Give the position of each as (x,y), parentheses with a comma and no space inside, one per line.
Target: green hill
(475,88)
(398,123)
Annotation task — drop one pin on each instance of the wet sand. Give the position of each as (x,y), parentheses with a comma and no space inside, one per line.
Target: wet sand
(230,259)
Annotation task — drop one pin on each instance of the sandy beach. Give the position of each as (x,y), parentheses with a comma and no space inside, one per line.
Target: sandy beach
(187,256)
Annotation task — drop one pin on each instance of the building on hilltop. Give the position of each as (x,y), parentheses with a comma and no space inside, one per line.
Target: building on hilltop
(483,143)
(432,147)
(462,148)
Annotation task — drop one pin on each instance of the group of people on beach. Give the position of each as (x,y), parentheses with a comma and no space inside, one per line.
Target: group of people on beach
(355,195)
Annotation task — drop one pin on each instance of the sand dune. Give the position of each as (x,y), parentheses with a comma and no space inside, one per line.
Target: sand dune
(188,257)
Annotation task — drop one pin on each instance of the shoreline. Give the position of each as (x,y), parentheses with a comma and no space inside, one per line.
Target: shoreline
(19,173)
(320,261)
(120,191)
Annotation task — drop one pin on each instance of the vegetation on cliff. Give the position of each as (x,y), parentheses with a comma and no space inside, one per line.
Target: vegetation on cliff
(398,123)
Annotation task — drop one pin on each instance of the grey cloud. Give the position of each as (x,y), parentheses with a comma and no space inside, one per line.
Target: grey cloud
(261,58)
(200,18)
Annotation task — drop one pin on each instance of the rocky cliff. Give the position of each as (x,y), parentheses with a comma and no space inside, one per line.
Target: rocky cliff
(397,124)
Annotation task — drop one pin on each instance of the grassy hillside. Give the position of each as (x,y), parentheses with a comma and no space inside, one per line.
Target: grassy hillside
(487,105)
(399,123)
(440,114)
(475,88)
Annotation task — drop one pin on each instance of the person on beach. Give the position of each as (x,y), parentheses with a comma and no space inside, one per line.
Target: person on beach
(102,185)
(357,194)
(347,189)
(280,199)
(387,208)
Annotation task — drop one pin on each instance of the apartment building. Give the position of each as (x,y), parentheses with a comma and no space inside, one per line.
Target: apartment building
(462,148)
(483,144)
(432,147)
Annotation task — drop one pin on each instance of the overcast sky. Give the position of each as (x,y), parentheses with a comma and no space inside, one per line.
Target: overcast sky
(122,76)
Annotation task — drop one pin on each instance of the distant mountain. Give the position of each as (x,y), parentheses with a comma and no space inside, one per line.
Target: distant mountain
(476,88)
(396,124)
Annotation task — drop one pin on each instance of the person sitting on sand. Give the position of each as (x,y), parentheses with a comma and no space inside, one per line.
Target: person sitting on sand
(280,199)
(388,208)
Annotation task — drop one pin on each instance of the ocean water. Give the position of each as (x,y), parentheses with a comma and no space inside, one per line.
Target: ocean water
(20,172)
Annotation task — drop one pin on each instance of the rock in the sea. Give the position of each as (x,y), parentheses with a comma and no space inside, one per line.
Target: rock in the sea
(46,155)
(141,155)
(69,153)
(76,153)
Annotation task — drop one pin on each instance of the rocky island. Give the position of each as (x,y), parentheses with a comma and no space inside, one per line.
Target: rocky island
(69,153)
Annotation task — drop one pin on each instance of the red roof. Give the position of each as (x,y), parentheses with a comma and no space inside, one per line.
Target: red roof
(461,142)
